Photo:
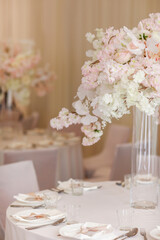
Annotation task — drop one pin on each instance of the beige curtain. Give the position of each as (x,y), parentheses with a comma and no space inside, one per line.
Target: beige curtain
(58,27)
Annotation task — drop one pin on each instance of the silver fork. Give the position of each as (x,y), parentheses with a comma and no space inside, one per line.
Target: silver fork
(143,233)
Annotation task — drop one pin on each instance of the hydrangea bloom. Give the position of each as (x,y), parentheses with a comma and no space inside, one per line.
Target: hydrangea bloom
(123,71)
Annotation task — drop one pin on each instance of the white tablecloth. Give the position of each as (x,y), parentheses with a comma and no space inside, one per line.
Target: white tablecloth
(97,206)
(69,162)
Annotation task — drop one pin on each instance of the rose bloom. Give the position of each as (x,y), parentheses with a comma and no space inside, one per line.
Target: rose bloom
(122,56)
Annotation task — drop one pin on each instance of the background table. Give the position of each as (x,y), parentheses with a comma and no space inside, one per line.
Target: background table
(69,163)
(97,206)
(44,150)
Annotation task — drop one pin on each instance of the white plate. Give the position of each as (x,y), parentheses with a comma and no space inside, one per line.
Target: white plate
(75,231)
(27,199)
(50,215)
(155,233)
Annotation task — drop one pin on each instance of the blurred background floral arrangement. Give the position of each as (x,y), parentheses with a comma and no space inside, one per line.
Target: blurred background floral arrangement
(20,72)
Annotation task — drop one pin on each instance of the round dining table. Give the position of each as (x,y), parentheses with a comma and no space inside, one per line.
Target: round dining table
(59,156)
(98,206)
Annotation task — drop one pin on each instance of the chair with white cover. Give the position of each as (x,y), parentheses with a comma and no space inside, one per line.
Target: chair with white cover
(31,121)
(99,166)
(15,178)
(122,162)
(1,231)
(75,128)
(44,160)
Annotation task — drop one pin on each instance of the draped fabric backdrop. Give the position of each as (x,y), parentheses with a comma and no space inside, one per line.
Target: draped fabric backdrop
(58,27)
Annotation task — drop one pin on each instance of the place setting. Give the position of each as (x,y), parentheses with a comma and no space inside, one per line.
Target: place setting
(33,219)
(41,199)
(76,186)
(123,228)
(43,210)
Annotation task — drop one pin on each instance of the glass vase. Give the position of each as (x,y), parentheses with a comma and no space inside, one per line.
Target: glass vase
(8,110)
(144,171)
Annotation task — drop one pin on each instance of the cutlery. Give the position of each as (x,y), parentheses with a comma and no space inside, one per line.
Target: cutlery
(98,187)
(119,183)
(57,190)
(47,224)
(37,206)
(122,184)
(143,233)
(129,234)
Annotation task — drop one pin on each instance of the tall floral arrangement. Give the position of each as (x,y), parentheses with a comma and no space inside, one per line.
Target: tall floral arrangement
(123,70)
(19,71)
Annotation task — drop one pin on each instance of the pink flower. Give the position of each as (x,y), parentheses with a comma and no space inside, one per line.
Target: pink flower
(122,56)
(86,69)
(90,80)
(155,83)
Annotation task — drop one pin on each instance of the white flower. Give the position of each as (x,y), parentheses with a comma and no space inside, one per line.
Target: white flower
(89,141)
(97,44)
(139,77)
(90,53)
(100,33)
(90,37)
(107,98)
(88,119)
(80,108)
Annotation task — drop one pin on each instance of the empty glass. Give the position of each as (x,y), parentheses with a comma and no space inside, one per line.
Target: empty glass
(73,213)
(77,187)
(51,199)
(125,218)
(127,181)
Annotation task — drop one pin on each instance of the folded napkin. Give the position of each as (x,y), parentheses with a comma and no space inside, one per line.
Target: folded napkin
(32,199)
(158,228)
(88,230)
(37,217)
(67,186)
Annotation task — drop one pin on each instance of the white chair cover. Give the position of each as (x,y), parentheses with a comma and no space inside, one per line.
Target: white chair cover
(31,121)
(122,162)
(1,231)
(117,134)
(44,160)
(15,178)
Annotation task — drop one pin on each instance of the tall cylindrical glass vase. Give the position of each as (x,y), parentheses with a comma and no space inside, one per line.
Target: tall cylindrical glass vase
(144,184)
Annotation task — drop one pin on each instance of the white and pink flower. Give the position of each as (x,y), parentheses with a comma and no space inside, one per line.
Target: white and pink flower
(123,71)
